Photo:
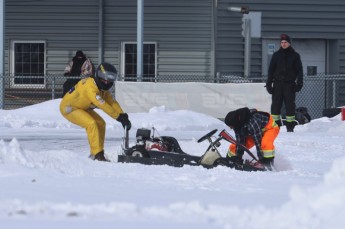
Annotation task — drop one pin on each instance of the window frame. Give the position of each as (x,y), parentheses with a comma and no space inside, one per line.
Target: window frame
(123,53)
(13,63)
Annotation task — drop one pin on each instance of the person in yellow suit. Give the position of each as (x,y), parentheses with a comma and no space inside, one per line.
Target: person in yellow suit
(77,106)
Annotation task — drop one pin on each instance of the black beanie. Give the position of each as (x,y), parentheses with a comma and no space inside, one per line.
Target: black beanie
(238,118)
(79,53)
(285,37)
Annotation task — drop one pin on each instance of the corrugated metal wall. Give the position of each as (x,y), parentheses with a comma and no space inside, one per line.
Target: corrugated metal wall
(342,54)
(180,28)
(316,19)
(65,25)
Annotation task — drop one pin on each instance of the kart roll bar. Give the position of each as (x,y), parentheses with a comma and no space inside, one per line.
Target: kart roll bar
(226,136)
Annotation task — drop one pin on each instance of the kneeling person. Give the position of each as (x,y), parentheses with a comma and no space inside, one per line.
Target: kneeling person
(251,128)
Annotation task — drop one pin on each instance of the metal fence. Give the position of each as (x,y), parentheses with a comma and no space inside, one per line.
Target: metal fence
(319,91)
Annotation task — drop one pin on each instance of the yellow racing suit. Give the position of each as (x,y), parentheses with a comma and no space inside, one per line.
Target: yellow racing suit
(77,107)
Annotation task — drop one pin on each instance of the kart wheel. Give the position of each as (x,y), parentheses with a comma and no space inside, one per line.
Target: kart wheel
(221,161)
(139,153)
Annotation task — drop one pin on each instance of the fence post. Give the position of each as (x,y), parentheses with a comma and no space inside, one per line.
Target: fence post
(2,91)
(53,87)
(334,102)
(217,77)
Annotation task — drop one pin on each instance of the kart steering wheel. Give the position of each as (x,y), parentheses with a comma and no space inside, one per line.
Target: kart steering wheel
(203,138)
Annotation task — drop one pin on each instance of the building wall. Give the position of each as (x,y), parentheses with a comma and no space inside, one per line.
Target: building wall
(66,26)
(300,19)
(180,28)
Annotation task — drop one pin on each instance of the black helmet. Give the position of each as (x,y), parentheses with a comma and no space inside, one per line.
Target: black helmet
(105,76)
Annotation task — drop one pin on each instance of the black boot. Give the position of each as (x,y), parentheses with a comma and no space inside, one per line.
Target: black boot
(268,162)
(279,122)
(290,126)
(236,161)
(99,156)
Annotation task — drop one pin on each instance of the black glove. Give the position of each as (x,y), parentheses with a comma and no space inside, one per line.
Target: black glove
(123,118)
(269,88)
(298,87)
(236,161)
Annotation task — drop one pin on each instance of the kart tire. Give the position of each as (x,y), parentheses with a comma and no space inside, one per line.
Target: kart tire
(220,161)
(139,153)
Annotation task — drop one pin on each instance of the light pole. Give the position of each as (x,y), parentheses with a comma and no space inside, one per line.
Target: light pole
(246,33)
(246,24)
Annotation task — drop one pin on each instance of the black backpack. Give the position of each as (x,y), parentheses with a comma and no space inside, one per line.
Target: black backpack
(302,115)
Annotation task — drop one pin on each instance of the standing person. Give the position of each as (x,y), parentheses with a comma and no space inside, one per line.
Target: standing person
(251,128)
(77,106)
(285,78)
(80,65)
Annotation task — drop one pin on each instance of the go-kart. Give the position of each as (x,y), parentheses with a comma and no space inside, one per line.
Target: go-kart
(165,150)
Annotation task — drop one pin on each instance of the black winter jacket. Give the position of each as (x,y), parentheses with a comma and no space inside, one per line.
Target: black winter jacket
(285,66)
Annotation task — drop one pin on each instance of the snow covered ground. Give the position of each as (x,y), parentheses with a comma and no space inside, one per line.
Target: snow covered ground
(47,180)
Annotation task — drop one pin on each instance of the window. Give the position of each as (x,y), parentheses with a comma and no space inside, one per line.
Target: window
(129,61)
(28,62)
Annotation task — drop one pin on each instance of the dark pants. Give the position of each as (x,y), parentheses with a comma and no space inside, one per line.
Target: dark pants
(283,92)
(68,85)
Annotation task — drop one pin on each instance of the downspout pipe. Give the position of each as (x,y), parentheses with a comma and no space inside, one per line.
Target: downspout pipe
(214,40)
(100,32)
(140,39)
(2,34)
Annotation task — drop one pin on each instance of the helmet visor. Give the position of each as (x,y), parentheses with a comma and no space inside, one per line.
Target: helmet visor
(106,82)
(104,85)
(107,76)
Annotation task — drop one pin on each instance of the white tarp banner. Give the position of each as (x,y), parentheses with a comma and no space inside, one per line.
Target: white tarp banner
(209,98)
